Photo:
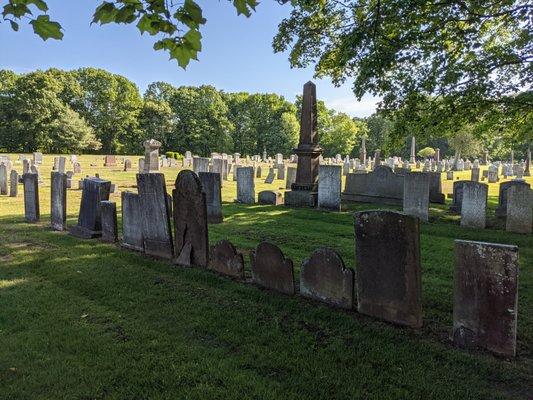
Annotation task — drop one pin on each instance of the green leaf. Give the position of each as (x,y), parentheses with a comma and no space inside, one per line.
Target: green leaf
(194,39)
(14,26)
(149,23)
(16,10)
(46,29)
(40,4)
(105,13)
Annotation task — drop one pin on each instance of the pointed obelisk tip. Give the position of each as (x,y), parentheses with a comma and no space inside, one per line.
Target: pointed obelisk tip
(309,83)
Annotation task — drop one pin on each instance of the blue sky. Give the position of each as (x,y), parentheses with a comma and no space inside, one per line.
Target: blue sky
(236,56)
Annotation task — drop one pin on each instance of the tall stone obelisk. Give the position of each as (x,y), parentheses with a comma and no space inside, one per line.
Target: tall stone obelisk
(305,189)
(362,151)
(413,151)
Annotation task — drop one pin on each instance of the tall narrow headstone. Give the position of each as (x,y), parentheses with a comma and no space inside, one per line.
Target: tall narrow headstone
(457,200)
(271,269)
(291,177)
(412,159)
(3,179)
(362,151)
(329,190)
(387,249)
(211,186)
(108,210)
(190,221)
(416,195)
(519,213)
(31,197)
(132,229)
(245,185)
(474,205)
(58,203)
(151,155)
(485,296)
(13,183)
(89,225)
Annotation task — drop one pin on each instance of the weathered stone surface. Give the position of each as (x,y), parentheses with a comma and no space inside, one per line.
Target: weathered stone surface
(3,179)
(62,164)
(13,183)
(457,199)
(108,211)
(151,155)
(132,230)
(271,269)
(127,165)
(190,220)
(271,176)
(519,212)
(58,203)
(212,186)
(329,187)
(89,225)
(380,186)
(245,185)
(501,210)
(200,164)
(387,249)
(226,260)
(485,296)
(281,171)
(31,197)
(155,215)
(416,195)
(38,158)
(110,161)
(474,205)
(258,172)
(324,277)
(474,174)
(435,188)
(291,177)
(270,197)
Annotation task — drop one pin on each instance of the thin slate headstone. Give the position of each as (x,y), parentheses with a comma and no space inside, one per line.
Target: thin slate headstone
(190,221)
(155,215)
(271,176)
(58,203)
(387,249)
(269,197)
(225,260)
(501,210)
(271,269)
(200,164)
(329,187)
(474,205)
(3,179)
(245,185)
(132,229)
(485,296)
(108,210)
(13,183)
(457,199)
(416,195)
(291,177)
(89,225)
(211,186)
(325,278)
(519,212)
(31,197)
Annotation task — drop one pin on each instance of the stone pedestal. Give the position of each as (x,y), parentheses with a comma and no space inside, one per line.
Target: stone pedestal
(151,155)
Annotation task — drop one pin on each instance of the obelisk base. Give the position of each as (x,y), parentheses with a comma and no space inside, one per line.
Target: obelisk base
(301,198)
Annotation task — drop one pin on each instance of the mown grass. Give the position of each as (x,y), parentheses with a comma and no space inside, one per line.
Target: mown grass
(87,320)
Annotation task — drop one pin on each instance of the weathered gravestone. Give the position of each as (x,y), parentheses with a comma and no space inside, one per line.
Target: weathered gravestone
(3,179)
(329,189)
(457,200)
(225,260)
(37,158)
(26,166)
(435,188)
(416,195)
(89,225)
(474,174)
(281,171)
(127,165)
(519,213)
(108,211)
(141,165)
(190,221)
(155,215)
(387,249)
(271,269)
(291,177)
(271,176)
(245,185)
(31,197)
(200,164)
(324,277)
(474,205)
(132,229)
(211,186)
(269,197)
(58,203)
(501,210)
(13,183)
(258,172)
(151,155)
(110,161)
(485,296)
(381,186)
(449,175)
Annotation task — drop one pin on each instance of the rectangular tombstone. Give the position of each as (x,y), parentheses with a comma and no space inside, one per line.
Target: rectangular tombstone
(37,158)
(58,203)
(245,185)
(416,195)
(212,186)
(291,177)
(62,162)
(200,164)
(110,161)
(155,215)
(132,229)
(381,186)
(435,188)
(485,296)
(89,225)
(457,199)
(519,212)
(329,187)
(387,249)
(474,174)
(269,197)
(3,179)
(13,183)
(31,197)
(108,210)
(501,210)
(474,205)
(281,171)
(271,176)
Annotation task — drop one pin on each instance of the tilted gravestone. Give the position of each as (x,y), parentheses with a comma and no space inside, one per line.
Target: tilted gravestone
(31,197)
(324,277)
(387,249)
(132,229)
(269,197)
(58,203)
(485,296)
(474,205)
(108,210)
(381,186)
(501,210)
(89,225)
(271,269)
(329,187)
(225,260)
(155,215)
(190,221)
(13,183)
(416,195)
(271,176)
(245,185)
(211,186)
(457,199)
(519,213)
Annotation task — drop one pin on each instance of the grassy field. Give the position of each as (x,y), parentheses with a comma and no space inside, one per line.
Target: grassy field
(86,320)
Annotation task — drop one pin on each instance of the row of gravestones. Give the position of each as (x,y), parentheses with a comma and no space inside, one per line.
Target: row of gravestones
(387,247)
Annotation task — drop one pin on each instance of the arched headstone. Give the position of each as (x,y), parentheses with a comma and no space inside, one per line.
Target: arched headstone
(271,269)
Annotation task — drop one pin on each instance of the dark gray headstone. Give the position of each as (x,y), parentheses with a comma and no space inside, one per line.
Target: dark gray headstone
(245,185)
(435,188)
(58,203)
(324,277)
(381,186)
(226,260)
(485,296)
(457,199)
(3,179)
(190,221)
(387,249)
(501,211)
(271,269)
(271,176)
(132,229)
(31,197)
(211,186)
(519,213)
(291,177)
(109,221)
(89,225)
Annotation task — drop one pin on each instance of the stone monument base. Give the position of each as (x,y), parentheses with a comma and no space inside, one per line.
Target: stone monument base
(84,233)
(301,198)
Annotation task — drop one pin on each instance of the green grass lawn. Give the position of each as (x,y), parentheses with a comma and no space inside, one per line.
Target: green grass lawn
(86,320)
